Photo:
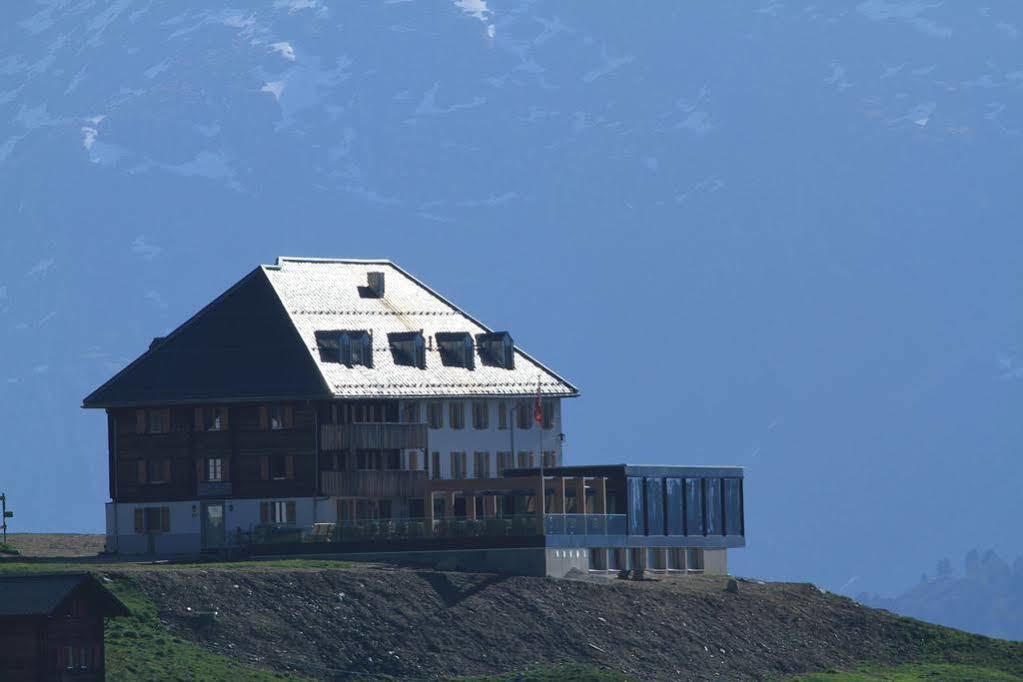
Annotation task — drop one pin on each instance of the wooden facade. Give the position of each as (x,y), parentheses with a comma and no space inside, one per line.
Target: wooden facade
(254,450)
(51,628)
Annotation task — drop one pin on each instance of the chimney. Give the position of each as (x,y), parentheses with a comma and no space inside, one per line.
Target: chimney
(375,284)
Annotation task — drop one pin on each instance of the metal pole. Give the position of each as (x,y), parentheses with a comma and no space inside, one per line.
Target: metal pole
(3,514)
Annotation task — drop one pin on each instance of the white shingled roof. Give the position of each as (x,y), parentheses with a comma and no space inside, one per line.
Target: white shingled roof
(323,295)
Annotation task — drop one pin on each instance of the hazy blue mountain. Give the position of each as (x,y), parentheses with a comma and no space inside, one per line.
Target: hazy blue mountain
(777,235)
(986,597)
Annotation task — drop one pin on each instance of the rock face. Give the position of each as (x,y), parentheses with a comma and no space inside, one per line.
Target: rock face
(425,624)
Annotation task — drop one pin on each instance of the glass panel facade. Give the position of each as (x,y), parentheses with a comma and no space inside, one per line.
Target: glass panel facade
(655,506)
(694,506)
(733,506)
(635,491)
(673,487)
(712,490)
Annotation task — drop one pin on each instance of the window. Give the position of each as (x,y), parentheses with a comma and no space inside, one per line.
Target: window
(413,461)
(598,559)
(676,557)
(456,414)
(159,470)
(435,415)
(276,467)
(279,512)
(159,421)
(694,559)
(655,506)
(548,414)
(279,417)
(733,506)
(215,469)
(524,414)
(694,506)
(211,419)
(458,465)
(496,349)
(480,415)
(673,493)
(504,461)
(550,458)
(78,658)
(456,349)
(525,460)
(502,415)
(712,492)
(351,347)
(634,488)
(408,349)
(152,519)
(481,464)
(410,413)
(435,465)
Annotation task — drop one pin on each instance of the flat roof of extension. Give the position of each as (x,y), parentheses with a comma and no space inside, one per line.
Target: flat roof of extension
(624,470)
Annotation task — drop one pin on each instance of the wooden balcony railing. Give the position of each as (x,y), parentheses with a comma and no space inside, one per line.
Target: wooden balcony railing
(373,436)
(397,483)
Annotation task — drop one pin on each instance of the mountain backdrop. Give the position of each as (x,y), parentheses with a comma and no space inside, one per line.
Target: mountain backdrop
(779,235)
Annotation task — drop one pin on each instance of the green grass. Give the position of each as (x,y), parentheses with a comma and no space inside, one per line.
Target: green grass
(948,655)
(140,647)
(7,549)
(915,672)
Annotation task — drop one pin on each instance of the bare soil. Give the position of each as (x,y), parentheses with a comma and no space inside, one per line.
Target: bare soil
(418,624)
(52,545)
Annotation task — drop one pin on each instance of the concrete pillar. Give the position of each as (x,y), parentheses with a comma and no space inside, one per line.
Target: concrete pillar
(580,495)
(599,495)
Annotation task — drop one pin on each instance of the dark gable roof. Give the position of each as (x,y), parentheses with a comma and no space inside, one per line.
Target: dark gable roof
(242,346)
(43,595)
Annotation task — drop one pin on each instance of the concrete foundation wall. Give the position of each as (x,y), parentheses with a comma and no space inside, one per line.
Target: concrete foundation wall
(520,561)
(715,561)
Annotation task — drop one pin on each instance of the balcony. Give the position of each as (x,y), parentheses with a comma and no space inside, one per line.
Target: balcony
(373,436)
(214,489)
(396,483)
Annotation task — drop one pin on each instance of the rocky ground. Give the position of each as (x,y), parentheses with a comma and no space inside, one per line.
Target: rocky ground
(56,544)
(377,621)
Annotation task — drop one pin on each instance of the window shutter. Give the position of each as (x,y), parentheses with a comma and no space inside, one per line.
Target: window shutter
(291,512)
(140,521)
(226,470)
(509,353)
(289,466)
(264,512)
(264,418)
(200,470)
(225,424)
(345,348)
(165,519)
(166,420)
(166,470)
(264,467)
(468,352)
(198,420)
(140,421)
(140,471)
(289,417)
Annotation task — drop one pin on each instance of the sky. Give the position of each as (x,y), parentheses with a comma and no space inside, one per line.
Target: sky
(774,235)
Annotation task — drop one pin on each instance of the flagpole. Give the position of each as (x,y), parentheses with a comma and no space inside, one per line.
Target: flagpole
(543,485)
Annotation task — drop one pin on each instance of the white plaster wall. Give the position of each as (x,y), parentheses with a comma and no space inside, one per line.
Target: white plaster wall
(715,561)
(490,440)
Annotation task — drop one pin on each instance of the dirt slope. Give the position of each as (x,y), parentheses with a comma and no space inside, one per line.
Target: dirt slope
(425,624)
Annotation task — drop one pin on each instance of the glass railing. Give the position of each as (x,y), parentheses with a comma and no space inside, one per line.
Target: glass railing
(584,524)
(526,525)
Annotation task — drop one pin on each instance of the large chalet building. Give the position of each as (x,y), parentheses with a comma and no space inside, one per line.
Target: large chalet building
(320,396)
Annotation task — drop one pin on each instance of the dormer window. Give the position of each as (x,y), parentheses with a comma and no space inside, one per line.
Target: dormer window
(496,349)
(456,349)
(408,349)
(347,347)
